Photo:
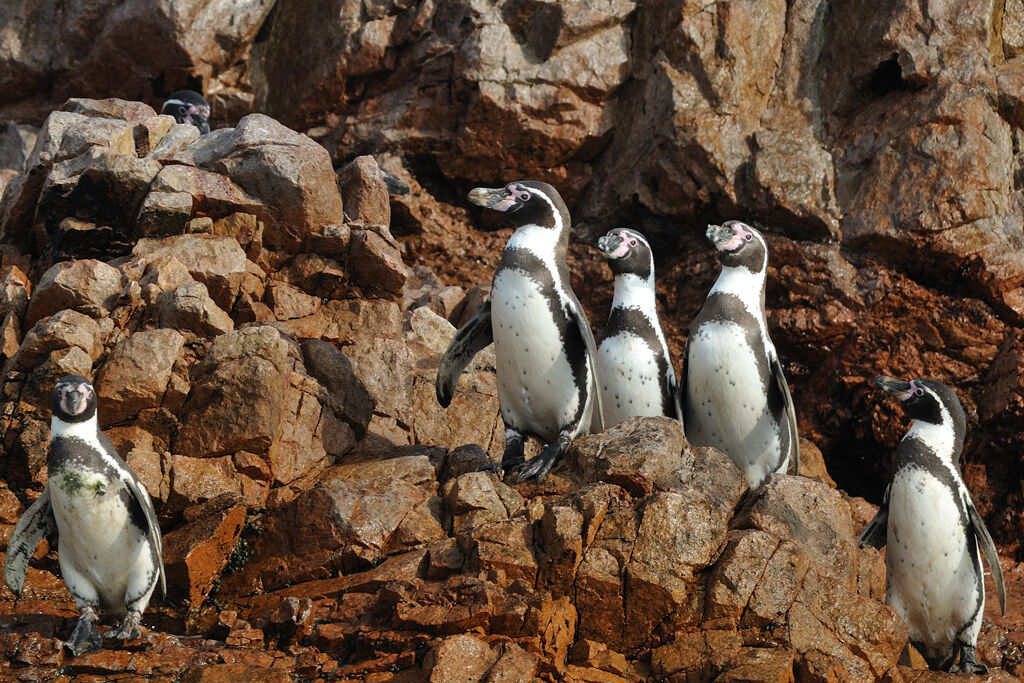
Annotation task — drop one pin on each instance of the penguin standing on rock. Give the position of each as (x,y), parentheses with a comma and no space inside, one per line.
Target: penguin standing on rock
(545,351)
(634,368)
(933,573)
(734,393)
(189,107)
(109,544)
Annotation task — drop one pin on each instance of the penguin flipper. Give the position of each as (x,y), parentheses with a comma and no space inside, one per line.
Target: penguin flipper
(38,521)
(988,549)
(794,438)
(576,315)
(876,532)
(467,342)
(139,492)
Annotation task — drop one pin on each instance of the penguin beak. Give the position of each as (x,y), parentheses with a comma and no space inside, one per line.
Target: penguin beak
(76,400)
(719,234)
(613,245)
(499,198)
(897,387)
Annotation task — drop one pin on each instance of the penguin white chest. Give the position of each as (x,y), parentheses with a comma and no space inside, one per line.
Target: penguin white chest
(627,372)
(536,388)
(726,399)
(97,540)
(931,579)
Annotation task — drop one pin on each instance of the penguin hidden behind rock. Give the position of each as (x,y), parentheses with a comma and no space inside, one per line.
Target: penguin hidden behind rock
(109,545)
(544,348)
(734,393)
(634,367)
(189,107)
(933,532)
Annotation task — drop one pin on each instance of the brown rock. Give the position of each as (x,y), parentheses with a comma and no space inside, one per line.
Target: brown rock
(460,658)
(212,194)
(14,291)
(288,302)
(376,264)
(760,664)
(189,307)
(515,665)
(195,480)
(623,455)
(197,553)
(364,192)
(334,526)
(88,286)
(227,673)
(164,213)
(289,173)
(59,331)
(701,654)
(217,262)
(136,374)
(237,396)
(812,516)
(478,497)
(504,548)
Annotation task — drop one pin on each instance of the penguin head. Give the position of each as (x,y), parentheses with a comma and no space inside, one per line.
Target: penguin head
(627,252)
(189,107)
(73,399)
(930,402)
(525,202)
(738,244)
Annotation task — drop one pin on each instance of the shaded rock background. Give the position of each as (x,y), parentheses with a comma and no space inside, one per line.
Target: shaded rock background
(264,338)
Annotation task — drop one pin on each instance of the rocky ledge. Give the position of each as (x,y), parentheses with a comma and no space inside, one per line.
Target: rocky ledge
(265,362)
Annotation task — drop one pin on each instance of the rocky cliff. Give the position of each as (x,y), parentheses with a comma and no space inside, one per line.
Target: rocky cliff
(263,333)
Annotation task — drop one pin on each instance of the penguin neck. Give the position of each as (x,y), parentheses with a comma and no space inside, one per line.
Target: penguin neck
(547,244)
(85,430)
(745,285)
(940,438)
(632,291)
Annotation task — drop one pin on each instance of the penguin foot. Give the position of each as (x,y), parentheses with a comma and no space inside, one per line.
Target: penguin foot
(538,468)
(968,663)
(86,636)
(129,628)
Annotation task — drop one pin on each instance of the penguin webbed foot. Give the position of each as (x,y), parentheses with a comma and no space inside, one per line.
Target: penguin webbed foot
(539,466)
(85,636)
(129,628)
(968,663)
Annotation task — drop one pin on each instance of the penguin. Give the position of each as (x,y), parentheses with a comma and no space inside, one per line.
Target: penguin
(933,572)
(634,368)
(734,393)
(545,351)
(189,107)
(109,545)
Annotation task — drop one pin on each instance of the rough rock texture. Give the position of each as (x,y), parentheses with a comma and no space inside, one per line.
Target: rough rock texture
(264,332)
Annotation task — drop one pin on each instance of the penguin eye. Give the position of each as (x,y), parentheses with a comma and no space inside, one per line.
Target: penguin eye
(182,110)
(632,243)
(748,237)
(919,392)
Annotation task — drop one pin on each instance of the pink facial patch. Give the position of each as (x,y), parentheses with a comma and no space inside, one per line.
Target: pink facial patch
(515,194)
(910,392)
(621,251)
(740,235)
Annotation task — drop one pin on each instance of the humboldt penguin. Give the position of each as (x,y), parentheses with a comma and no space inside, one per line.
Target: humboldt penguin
(933,572)
(545,351)
(109,544)
(189,107)
(734,393)
(634,368)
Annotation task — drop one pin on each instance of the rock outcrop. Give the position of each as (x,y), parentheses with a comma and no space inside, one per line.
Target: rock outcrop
(264,331)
